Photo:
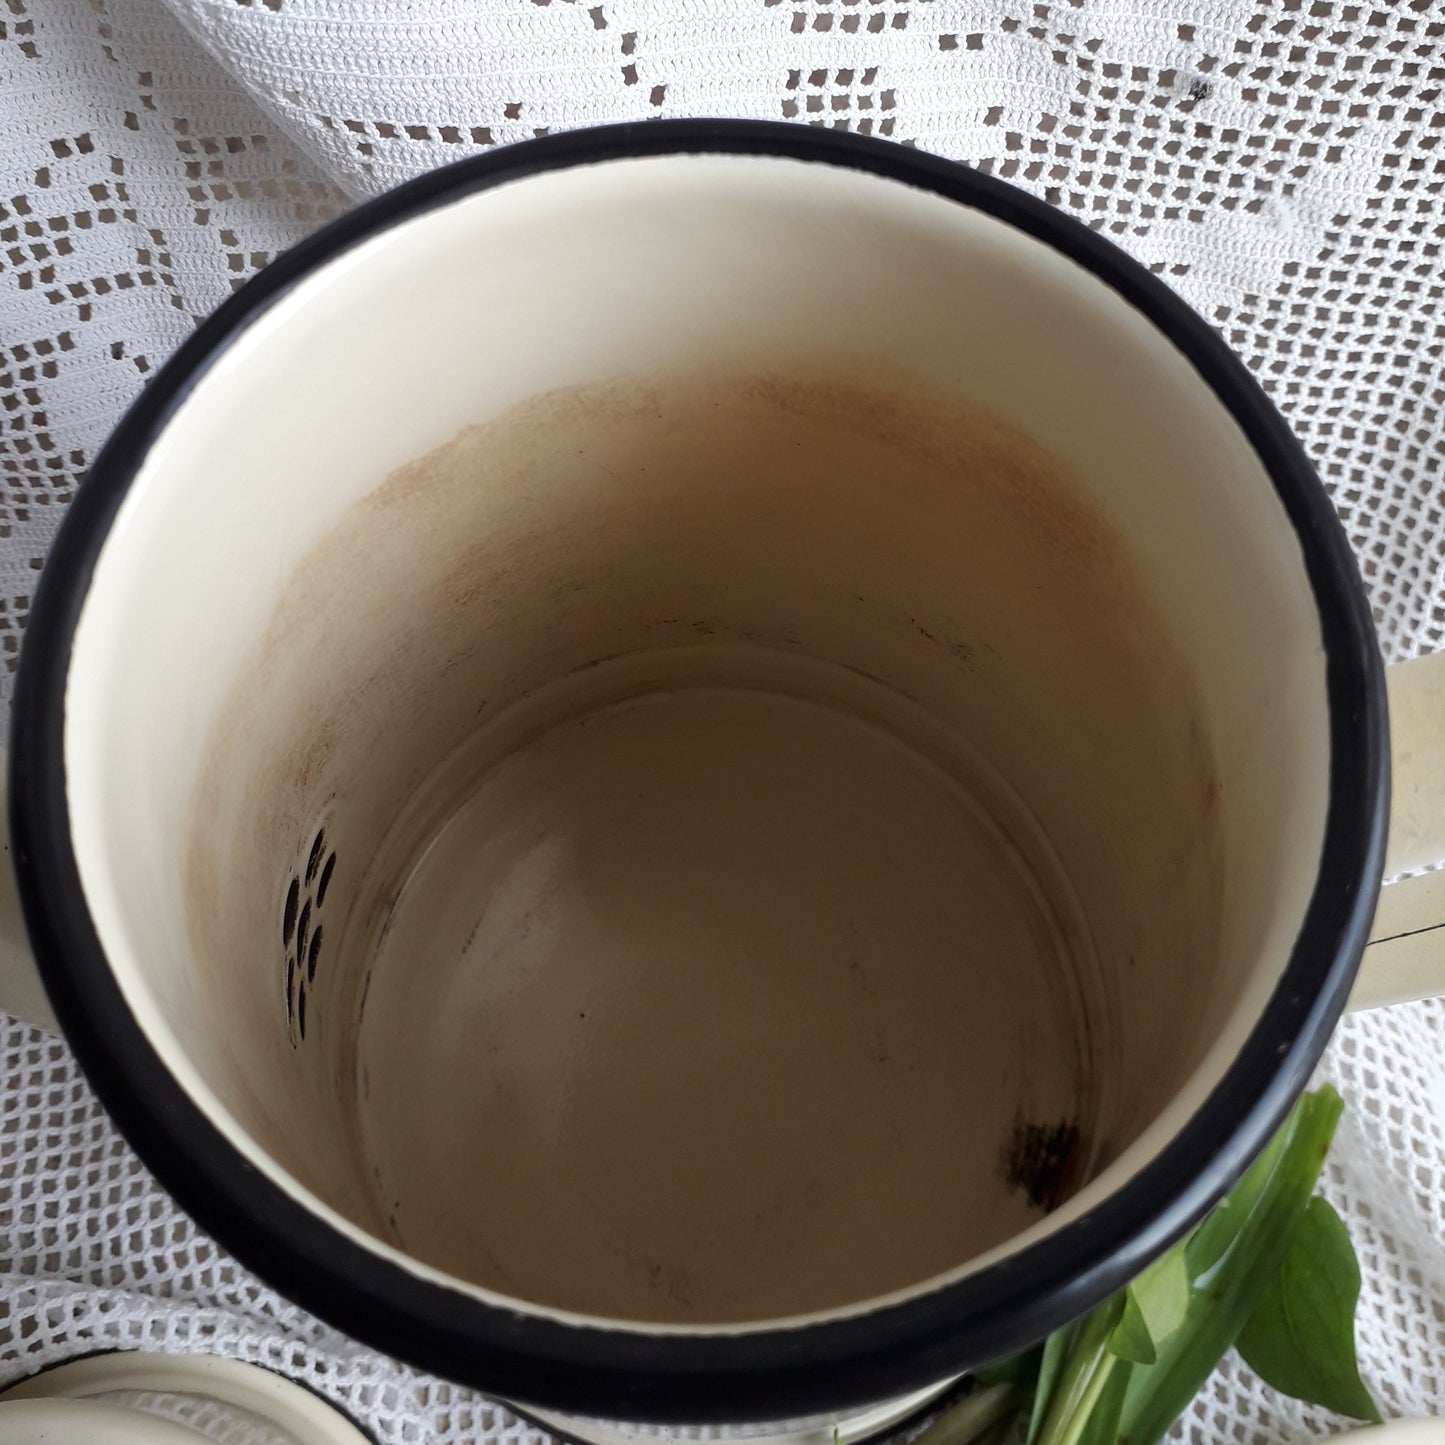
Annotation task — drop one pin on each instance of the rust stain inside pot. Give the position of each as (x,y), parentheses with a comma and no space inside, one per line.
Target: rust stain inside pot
(1045,1161)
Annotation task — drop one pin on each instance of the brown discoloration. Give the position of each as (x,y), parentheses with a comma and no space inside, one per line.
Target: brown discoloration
(913,542)
(1044,1160)
(957,441)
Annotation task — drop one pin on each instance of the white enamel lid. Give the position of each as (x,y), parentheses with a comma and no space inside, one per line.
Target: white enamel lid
(135,1398)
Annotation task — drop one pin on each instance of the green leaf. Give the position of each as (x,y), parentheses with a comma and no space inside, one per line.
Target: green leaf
(1275,1194)
(1222,1224)
(1056,1347)
(1131,1339)
(1154,1307)
(1162,1294)
(1300,1337)
(1124,1373)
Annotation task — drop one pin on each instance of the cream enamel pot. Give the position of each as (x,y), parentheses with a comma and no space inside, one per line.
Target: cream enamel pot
(706,772)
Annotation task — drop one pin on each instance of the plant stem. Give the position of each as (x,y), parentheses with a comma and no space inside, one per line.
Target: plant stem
(1083,1377)
(1078,1422)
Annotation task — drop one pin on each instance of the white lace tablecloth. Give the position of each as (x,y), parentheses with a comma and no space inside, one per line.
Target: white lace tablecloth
(1280,164)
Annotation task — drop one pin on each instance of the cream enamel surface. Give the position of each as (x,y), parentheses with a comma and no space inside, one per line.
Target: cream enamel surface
(45,1422)
(687,263)
(842,1429)
(254,1406)
(1417,802)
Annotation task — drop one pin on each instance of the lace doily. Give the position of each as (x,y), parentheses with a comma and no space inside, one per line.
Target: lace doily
(1278,163)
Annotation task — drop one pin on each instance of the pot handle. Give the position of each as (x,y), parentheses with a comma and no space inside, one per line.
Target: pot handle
(1405,958)
(22,995)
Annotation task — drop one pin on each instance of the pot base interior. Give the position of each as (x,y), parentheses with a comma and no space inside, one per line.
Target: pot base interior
(720,952)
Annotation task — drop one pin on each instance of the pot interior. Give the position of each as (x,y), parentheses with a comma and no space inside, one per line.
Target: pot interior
(699,740)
